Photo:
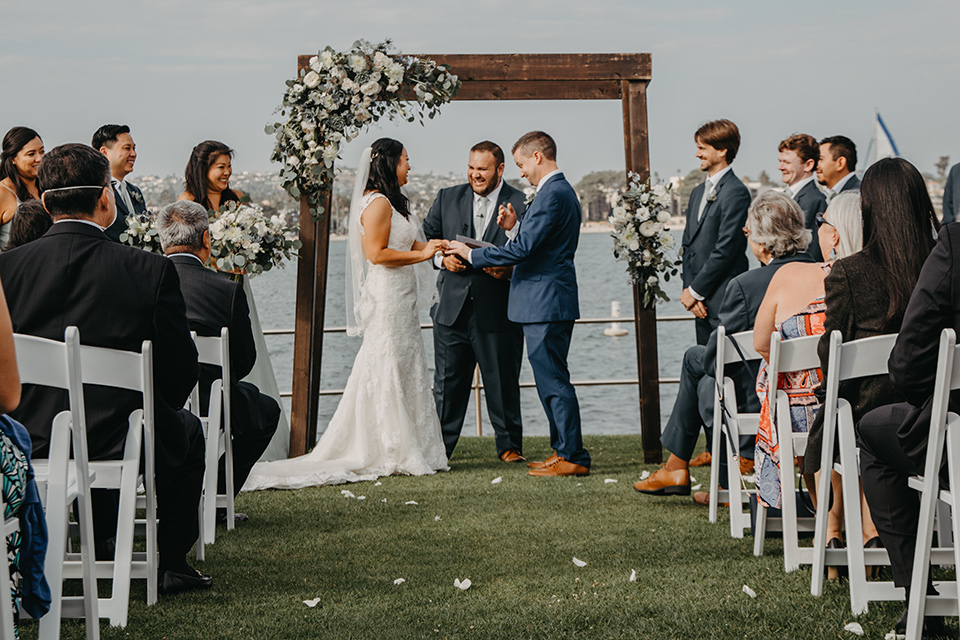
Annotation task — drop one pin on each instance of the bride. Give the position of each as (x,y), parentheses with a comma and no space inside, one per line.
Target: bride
(386,422)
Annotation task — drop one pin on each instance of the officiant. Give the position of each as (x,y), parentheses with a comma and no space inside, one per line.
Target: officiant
(470,324)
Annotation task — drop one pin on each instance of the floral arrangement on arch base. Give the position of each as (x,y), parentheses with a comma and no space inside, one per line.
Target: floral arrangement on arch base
(640,237)
(342,93)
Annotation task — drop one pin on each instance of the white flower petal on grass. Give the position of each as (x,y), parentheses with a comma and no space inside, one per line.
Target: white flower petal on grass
(384,500)
(410,502)
(644,475)
(311,603)
(609,480)
(695,487)
(377,484)
(497,480)
(854,628)
(750,592)
(579,563)
(692,479)
(347,494)
(399,581)
(633,576)
(463,586)
(361,497)
(436,518)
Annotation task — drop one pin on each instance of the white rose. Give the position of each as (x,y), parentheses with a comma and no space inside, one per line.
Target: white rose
(647,255)
(370,88)
(667,240)
(642,213)
(619,212)
(312,79)
(326,59)
(648,228)
(381,60)
(330,154)
(293,161)
(653,280)
(663,216)
(358,63)
(315,63)
(350,85)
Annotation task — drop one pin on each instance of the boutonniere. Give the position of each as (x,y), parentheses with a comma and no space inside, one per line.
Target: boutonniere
(530,198)
(711,195)
(137,196)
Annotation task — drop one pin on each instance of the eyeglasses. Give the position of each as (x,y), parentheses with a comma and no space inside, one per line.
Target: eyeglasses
(822,221)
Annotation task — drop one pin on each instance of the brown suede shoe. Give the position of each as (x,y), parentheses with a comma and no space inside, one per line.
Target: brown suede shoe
(543,465)
(702,460)
(666,483)
(746,466)
(703,499)
(560,467)
(512,455)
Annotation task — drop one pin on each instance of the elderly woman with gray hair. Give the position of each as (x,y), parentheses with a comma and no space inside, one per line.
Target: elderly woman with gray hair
(795,306)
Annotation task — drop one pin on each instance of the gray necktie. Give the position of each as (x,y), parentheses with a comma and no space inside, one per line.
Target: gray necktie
(479,216)
(707,192)
(125,196)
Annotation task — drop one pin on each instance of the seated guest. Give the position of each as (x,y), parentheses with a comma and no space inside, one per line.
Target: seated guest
(30,223)
(898,226)
(214,301)
(118,297)
(794,306)
(775,233)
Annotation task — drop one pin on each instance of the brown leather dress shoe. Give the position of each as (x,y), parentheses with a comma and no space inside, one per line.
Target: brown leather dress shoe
(701,460)
(703,499)
(512,455)
(544,464)
(560,467)
(746,466)
(666,483)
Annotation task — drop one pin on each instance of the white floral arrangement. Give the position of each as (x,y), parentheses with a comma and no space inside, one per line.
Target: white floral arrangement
(640,237)
(243,238)
(342,93)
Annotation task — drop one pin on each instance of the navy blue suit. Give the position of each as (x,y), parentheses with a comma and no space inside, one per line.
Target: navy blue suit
(714,247)
(951,195)
(812,201)
(120,222)
(853,184)
(543,298)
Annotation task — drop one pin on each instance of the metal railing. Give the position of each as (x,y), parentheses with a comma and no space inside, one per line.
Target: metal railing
(478,385)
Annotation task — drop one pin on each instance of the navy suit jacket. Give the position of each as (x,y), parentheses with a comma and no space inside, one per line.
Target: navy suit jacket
(120,223)
(714,247)
(951,195)
(544,283)
(452,215)
(812,201)
(853,184)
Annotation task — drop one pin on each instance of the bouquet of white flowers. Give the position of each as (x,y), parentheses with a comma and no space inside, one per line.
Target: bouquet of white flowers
(242,238)
(640,237)
(341,93)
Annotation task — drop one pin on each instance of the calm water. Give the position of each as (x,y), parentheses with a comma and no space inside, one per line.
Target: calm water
(605,410)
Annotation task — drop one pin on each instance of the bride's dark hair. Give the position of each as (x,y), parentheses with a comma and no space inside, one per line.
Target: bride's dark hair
(384,157)
(15,140)
(198,166)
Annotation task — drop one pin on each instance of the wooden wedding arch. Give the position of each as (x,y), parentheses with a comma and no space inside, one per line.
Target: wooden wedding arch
(621,77)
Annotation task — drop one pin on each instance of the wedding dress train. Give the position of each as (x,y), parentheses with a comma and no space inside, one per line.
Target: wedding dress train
(386,422)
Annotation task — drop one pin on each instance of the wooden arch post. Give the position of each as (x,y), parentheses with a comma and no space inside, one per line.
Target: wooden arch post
(621,77)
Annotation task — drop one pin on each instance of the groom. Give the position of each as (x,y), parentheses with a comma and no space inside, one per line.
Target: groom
(543,293)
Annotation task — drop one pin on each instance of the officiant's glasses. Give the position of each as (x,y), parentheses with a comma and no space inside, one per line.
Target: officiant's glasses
(822,221)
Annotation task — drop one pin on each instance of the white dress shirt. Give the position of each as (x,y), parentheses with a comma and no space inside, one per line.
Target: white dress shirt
(842,181)
(89,222)
(795,188)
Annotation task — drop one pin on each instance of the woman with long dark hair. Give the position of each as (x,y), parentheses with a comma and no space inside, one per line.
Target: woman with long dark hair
(386,422)
(207,177)
(20,156)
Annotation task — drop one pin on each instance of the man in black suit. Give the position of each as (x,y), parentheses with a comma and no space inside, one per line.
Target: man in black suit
(115,142)
(893,438)
(470,318)
(714,249)
(797,163)
(951,195)
(835,169)
(774,220)
(118,297)
(215,301)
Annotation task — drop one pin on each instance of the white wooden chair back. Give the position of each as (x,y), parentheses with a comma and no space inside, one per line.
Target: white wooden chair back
(862,358)
(57,364)
(787,356)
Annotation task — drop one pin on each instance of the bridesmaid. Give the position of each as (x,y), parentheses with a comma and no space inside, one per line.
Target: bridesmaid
(20,156)
(207,177)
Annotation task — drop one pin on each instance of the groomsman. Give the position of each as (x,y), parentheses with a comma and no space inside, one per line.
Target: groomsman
(714,247)
(470,324)
(838,161)
(951,195)
(115,142)
(798,158)
(543,293)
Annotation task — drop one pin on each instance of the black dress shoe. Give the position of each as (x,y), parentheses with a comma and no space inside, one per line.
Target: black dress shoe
(237,517)
(172,582)
(933,627)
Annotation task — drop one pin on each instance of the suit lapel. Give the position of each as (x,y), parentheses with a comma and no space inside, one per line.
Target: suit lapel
(122,211)
(694,207)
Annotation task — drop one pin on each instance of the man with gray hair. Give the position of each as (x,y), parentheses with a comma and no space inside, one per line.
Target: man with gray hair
(213,302)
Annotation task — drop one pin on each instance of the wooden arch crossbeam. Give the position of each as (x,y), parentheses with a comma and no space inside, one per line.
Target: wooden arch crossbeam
(617,76)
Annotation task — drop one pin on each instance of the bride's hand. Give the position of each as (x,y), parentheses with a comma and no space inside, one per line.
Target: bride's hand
(432,248)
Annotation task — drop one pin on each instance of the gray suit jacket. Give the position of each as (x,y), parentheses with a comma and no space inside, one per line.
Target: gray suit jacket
(450,215)
(812,201)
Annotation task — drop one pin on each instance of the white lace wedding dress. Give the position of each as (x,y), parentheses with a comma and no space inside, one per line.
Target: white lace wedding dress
(386,422)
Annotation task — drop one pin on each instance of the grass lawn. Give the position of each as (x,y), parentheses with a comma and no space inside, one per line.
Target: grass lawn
(515,540)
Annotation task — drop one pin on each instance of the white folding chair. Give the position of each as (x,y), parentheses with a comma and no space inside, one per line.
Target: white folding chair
(216,427)
(787,356)
(134,372)
(61,483)
(730,423)
(943,426)
(9,527)
(847,361)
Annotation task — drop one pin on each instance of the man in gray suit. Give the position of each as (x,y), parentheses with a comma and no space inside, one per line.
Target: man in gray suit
(798,159)
(838,161)
(115,142)
(714,247)
(470,324)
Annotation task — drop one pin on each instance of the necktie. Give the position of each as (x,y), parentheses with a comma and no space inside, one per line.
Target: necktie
(707,193)
(479,215)
(125,196)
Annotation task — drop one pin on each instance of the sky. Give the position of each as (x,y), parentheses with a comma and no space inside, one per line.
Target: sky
(179,72)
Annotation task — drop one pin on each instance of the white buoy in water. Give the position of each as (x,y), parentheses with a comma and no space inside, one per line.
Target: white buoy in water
(615,329)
